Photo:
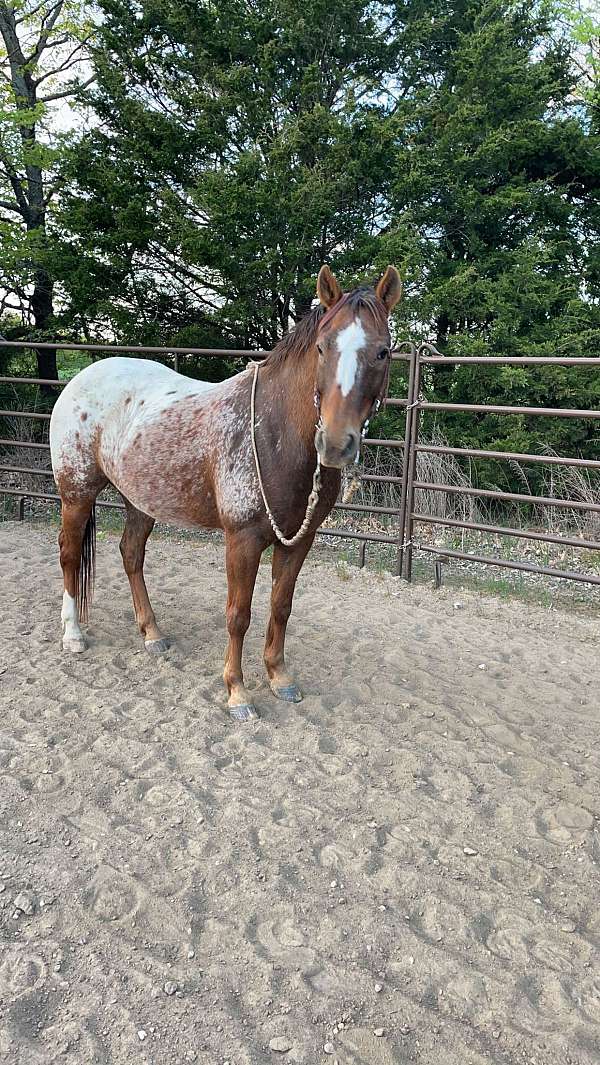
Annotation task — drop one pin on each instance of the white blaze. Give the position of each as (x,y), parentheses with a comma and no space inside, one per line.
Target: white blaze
(349,341)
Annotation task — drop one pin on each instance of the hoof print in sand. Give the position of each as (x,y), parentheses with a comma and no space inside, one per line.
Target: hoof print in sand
(112,896)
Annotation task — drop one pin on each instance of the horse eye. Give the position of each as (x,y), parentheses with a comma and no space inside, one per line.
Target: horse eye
(320,350)
(383,354)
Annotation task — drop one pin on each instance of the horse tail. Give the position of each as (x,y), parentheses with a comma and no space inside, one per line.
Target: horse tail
(87,567)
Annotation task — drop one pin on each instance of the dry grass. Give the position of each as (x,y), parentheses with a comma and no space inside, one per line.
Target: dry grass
(434,468)
(559,482)
(581,485)
(36,458)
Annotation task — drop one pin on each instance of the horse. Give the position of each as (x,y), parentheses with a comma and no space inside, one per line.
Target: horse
(243,455)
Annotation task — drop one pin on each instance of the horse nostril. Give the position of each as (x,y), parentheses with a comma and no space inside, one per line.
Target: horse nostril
(350,444)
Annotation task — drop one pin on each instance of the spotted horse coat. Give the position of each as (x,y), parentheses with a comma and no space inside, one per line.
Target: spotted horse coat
(179,451)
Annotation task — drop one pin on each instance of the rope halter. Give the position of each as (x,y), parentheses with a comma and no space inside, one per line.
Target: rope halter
(313,498)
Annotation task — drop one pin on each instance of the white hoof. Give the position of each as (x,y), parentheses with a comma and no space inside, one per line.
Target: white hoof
(73,639)
(75,646)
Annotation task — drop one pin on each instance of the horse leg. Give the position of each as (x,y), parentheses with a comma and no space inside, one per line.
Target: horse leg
(77,524)
(243,551)
(287,563)
(138,527)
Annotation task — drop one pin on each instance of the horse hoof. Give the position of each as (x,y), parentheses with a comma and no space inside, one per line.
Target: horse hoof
(245,712)
(75,647)
(157,647)
(290,693)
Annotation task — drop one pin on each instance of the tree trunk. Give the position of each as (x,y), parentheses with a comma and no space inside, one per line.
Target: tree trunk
(29,194)
(42,309)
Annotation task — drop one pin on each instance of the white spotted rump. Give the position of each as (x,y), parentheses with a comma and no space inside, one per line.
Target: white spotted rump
(350,340)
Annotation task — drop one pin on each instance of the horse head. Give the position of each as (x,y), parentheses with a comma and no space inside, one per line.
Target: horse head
(353,344)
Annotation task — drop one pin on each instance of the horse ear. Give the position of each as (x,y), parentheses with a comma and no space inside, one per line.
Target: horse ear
(328,290)
(389,288)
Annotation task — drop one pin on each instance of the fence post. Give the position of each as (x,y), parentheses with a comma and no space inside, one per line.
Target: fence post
(410,410)
(410,461)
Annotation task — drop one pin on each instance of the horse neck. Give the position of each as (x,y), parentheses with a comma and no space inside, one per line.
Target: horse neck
(292,387)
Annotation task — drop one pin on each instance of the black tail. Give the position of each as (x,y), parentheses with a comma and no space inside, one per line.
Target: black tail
(87,568)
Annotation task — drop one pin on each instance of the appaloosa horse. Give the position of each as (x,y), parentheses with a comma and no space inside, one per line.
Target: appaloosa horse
(243,455)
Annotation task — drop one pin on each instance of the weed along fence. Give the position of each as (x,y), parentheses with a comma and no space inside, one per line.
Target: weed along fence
(402,525)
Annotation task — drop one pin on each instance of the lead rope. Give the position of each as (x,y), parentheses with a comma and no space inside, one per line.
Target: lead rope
(351,482)
(313,498)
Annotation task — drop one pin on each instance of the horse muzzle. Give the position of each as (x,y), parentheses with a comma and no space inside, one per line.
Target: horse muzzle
(334,452)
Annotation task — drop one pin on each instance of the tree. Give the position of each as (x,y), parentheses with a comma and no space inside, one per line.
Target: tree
(41,66)
(239,146)
(496,177)
(579,20)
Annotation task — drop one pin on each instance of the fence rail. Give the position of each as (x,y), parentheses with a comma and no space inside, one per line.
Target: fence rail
(407,514)
(426,355)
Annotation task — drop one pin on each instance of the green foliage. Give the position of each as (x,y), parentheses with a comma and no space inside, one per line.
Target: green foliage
(42,51)
(236,146)
(240,147)
(579,20)
(498,179)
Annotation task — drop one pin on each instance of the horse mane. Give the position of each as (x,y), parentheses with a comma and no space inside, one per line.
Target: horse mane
(303,335)
(299,339)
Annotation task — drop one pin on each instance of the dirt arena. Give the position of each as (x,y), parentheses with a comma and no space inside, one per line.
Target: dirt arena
(402,869)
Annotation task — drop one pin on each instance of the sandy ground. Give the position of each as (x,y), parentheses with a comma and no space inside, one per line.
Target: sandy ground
(403,868)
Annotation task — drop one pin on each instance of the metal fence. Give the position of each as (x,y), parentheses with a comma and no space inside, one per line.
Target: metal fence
(406,517)
(411,517)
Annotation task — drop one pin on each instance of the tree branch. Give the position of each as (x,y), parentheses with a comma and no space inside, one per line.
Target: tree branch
(56,42)
(70,61)
(72,91)
(48,24)
(30,14)
(8,206)
(10,37)
(17,187)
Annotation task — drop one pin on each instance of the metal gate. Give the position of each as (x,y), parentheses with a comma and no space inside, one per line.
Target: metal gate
(406,515)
